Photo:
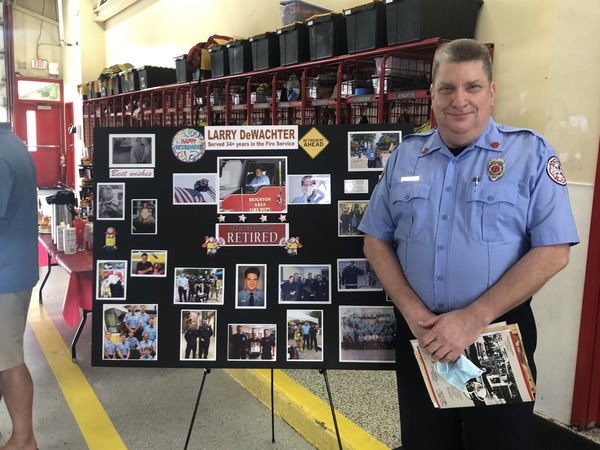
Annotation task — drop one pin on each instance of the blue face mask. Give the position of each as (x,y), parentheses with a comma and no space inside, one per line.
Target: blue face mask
(458,372)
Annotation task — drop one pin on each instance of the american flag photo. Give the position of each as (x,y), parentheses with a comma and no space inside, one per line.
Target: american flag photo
(194,188)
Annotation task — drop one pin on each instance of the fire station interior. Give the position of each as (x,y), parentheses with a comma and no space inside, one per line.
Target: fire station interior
(545,68)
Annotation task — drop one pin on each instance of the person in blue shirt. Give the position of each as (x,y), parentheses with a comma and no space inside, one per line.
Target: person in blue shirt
(259,180)
(144,318)
(123,347)
(132,319)
(306,335)
(251,296)
(310,193)
(147,343)
(134,346)
(20,273)
(110,348)
(467,222)
(371,155)
(150,329)
(183,286)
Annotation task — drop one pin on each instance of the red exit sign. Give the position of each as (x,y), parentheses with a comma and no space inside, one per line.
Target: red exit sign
(39,63)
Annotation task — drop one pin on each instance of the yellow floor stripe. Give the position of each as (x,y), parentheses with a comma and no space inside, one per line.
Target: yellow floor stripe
(305,412)
(94,424)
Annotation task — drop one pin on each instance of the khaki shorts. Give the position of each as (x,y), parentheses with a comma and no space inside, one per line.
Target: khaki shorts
(13,316)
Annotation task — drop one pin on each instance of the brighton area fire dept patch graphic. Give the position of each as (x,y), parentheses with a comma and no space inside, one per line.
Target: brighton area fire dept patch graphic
(555,171)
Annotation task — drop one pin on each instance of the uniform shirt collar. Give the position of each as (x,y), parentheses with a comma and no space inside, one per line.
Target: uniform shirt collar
(490,139)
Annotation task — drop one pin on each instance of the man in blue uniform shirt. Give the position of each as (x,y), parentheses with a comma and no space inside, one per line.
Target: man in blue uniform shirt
(132,319)
(109,346)
(150,330)
(123,347)
(146,343)
(143,318)
(467,222)
(259,179)
(310,193)
(251,295)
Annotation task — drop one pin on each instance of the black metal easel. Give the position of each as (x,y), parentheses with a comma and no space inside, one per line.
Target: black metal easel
(187,441)
(272,407)
(206,372)
(337,430)
(321,371)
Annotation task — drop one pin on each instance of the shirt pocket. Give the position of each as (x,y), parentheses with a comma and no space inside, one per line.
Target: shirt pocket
(411,206)
(490,211)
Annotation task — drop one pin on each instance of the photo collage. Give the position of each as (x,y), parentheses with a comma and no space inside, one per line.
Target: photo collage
(248,261)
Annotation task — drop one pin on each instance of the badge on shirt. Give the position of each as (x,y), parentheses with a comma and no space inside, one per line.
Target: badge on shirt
(554,170)
(495,168)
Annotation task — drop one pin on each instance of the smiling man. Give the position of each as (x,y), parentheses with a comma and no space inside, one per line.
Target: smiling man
(467,223)
(251,295)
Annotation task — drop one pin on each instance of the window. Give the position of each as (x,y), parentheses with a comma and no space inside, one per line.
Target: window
(31,131)
(38,90)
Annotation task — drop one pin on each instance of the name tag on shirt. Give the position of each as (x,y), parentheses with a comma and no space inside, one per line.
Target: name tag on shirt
(409,179)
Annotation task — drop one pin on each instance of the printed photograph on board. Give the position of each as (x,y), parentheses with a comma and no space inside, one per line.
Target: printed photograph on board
(251,281)
(252,185)
(131,150)
(198,337)
(130,332)
(144,214)
(148,263)
(367,334)
(350,214)
(199,285)
(252,341)
(310,189)
(304,283)
(357,274)
(111,201)
(111,279)
(370,150)
(194,189)
(305,335)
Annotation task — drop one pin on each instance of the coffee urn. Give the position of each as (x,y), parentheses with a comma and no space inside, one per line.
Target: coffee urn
(63,210)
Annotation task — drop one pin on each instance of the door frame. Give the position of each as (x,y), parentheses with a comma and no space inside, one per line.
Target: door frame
(585,411)
(17,110)
(69,144)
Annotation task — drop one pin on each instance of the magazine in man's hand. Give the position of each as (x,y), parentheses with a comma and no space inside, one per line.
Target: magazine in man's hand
(506,376)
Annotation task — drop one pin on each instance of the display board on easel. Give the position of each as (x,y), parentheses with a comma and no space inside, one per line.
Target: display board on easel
(238,247)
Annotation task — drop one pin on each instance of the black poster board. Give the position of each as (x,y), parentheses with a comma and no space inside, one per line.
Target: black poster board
(178,195)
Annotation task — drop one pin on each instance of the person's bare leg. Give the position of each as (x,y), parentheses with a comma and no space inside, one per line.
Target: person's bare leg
(17,387)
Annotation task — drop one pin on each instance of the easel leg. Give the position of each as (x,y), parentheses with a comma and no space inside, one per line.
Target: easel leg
(187,441)
(272,408)
(337,431)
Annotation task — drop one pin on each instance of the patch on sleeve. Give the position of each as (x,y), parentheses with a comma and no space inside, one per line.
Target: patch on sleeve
(555,172)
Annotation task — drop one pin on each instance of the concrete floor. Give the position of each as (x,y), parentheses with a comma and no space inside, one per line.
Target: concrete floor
(152,407)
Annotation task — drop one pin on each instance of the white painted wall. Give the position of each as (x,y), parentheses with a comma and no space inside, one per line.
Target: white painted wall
(557,309)
(546,68)
(35,36)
